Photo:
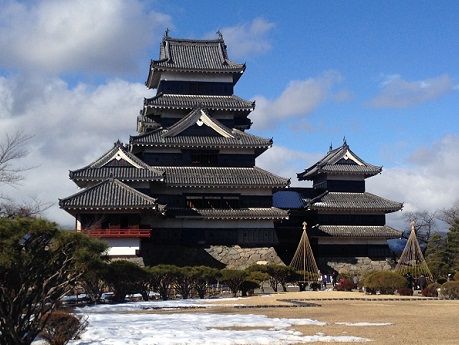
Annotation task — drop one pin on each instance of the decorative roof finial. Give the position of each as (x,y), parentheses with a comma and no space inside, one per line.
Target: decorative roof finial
(331,146)
(344,141)
(305,225)
(220,35)
(166,33)
(413,225)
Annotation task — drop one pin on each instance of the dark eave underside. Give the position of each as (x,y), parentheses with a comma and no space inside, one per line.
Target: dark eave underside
(172,101)
(354,201)
(221,177)
(248,213)
(354,231)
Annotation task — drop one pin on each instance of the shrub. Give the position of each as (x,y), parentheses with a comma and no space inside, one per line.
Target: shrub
(202,277)
(456,276)
(280,274)
(184,281)
(164,277)
(234,279)
(248,286)
(385,282)
(344,284)
(450,290)
(61,327)
(404,291)
(441,280)
(431,290)
(125,277)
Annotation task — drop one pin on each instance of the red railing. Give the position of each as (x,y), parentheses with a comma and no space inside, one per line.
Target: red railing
(118,233)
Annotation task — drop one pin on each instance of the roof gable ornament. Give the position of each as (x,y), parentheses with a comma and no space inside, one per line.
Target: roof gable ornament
(220,35)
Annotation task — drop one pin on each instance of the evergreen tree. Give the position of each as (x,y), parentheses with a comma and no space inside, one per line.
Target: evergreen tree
(435,256)
(452,247)
(39,264)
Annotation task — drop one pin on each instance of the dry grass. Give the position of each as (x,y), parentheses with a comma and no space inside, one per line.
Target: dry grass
(412,322)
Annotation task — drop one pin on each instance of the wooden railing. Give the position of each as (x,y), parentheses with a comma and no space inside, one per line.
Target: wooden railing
(118,233)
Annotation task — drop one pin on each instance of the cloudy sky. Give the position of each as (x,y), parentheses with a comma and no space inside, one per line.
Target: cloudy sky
(384,75)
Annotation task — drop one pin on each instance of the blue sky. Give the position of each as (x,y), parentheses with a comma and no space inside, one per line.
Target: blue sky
(383,74)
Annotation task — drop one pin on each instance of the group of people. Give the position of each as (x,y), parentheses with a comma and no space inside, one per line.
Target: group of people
(416,282)
(325,279)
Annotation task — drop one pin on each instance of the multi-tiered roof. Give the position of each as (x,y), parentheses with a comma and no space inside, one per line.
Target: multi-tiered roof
(339,179)
(191,159)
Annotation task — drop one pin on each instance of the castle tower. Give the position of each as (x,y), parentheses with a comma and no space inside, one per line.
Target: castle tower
(199,198)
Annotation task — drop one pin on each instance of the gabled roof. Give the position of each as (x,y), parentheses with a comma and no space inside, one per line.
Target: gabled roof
(118,163)
(226,137)
(221,177)
(354,231)
(354,202)
(200,117)
(270,213)
(173,101)
(110,194)
(340,161)
(186,55)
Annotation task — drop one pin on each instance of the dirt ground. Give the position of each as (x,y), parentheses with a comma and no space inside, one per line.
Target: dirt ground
(421,321)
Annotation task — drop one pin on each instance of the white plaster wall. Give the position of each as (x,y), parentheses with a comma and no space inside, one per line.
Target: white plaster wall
(122,246)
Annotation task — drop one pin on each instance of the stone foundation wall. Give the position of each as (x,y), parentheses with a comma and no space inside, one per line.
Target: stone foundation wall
(234,257)
(240,258)
(353,265)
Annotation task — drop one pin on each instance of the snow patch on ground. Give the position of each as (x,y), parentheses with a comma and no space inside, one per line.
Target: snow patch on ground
(112,325)
(363,324)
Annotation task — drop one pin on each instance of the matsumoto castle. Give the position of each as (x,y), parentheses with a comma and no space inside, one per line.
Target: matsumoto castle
(185,189)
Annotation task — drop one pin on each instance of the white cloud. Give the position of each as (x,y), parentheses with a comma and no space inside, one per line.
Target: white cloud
(247,39)
(398,93)
(286,162)
(70,128)
(428,181)
(298,99)
(54,36)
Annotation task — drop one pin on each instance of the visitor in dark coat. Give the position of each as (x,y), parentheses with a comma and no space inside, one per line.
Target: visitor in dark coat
(422,282)
(409,280)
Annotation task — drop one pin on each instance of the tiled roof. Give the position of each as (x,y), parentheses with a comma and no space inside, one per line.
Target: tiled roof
(172,101)
(367,231)
(117,163)
(340,161)
(120,173)
(227,137)
(240,140)
(110,194)
(246,213)
(193,56)
(221,177)
(363,202)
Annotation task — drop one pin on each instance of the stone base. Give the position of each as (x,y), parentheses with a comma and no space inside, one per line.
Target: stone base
(240,258)
(234,257)
(354,265)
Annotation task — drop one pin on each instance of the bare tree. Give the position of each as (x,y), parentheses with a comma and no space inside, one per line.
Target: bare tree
(450,215)
(12,149)
(425,223)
